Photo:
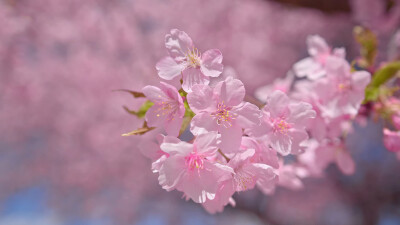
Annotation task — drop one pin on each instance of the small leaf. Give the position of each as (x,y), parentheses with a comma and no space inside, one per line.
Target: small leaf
(368,43)
(142,110)
(135,94)
(139,131)
(380,77)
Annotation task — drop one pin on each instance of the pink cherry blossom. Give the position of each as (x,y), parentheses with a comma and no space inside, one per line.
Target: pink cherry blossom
(248,173)
(168,109)
(263,153)
(391,140)
(341,91)
(313,67)
(185,59)
(222,109)
(222,198)
(190,170)
(333,151)
(283,123)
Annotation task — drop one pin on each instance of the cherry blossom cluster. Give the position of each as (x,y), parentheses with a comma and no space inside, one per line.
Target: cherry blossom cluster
(236,142)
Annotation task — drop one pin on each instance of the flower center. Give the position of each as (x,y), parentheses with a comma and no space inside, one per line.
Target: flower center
(243,180)
(281,126)
(223,115)
(193,57)
(167,108)
(194,160)
(342,87)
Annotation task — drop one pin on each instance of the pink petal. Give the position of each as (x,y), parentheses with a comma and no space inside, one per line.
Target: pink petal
(202,184)
(172,127)
(396,118)
(203,123)
(249,115)
(211,63)
(207,143)
(263,128)
(324,156)
(391,140)
(154,118)
(191,77)
(264,173)
(318,128)
(168,69)
(277,104)
(307,67)
(298,136)
(154,94)
(336,66)
(222,198)
(339,52)
(317,46)
(231,91)
(201,99)
(345,162)
(360,79)
(171,172)
(231,138)
(301,113)
(281,143)
(171,92)
(181,148)
(178,44)
(267,187)
(157,165)
(241,157)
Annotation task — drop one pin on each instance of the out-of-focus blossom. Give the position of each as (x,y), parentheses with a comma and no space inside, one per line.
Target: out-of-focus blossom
(320,156)
(391,139)
(222,109)
(185,59)
(341,91)
(313,67)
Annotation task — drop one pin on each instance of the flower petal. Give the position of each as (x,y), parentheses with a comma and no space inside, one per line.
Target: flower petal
(191,77)
(200,185)
(249,115)
(231,138)
(317,46)
(231,91)
(277,104)
(211,63)
(178,44)
(345,162)
(154,94)
(391,140)
(207,143)
(203,123)
(172,127)
(171,172)
(300,113)
(180,148)
(168,69)
(200,99)
(222,198)
(154,118)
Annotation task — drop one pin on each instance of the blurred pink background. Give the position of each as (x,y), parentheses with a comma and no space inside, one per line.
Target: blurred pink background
(61,124)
